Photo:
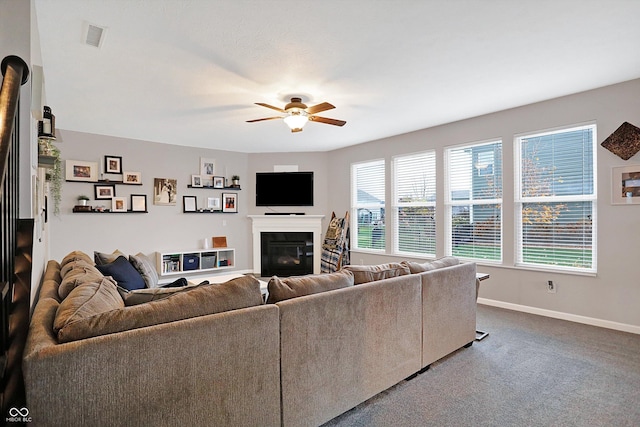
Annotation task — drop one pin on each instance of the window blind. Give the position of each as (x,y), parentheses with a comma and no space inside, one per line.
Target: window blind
(414,189)
(368,205)
(556,199)
(474,201)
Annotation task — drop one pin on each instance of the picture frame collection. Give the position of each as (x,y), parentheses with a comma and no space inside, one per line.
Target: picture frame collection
(165,190)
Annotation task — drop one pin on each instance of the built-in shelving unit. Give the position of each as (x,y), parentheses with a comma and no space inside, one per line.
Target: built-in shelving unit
(198,261)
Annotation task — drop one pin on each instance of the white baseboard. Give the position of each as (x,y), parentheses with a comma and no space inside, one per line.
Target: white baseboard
(563,316)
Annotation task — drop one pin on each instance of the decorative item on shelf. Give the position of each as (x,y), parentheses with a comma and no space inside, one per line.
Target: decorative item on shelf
(118,204)
(53,176)
(104,191)
(219,241)
(82,208)
(47,126)
(113,164)
(235,179)
(83,200)
(230,202)
(213,204)
(218,182)
(138,202)
(189,204)
(79,170)
(196,181)
(134,178)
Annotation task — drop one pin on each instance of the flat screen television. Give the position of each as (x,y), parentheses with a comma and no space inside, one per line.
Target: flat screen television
(284,188)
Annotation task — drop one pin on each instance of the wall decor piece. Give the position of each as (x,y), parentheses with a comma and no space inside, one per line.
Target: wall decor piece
(138,202)
(165,191)
(132,178)
(196,181)
(624,142)
(112,164)
(207,166)
(189,204)
(229,202)
(78,170)
(219,241)
(118,204)
(625,185)
(213,203)
(104,191)
(218,182)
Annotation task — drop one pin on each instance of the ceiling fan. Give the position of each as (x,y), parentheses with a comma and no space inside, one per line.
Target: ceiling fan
(297,114)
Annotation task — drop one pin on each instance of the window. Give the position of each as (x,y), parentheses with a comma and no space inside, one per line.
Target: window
(556,199)
(474,201)
(414,197)
(367,205)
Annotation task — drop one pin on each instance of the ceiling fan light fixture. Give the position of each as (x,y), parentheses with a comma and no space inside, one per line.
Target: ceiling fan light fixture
(296,120)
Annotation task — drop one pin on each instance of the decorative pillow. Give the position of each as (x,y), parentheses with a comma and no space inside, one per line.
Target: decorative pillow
(72,265)
(291,287)
(84,302)
(75,256)
(370,273)
(145,268)
(77,277)
(123,273)
(235,294)
(101,258)
(416,267)
(140,296)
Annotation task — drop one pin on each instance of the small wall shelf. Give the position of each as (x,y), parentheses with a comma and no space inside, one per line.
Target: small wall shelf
(104,181)
(110,212)
(216,188)
(198,261)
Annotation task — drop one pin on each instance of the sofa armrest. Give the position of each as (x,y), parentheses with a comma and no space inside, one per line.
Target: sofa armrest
(448,310)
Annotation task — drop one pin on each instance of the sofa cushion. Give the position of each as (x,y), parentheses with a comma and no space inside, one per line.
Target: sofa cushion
(72,265)
(416,267)
(291,287)
(123,273)
(140,296)
(370,273)
(146,269)
(202,300)
(75,256)
(77,276)
(105,258)
(85,301)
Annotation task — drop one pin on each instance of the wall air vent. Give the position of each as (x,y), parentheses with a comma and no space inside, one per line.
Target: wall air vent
(93,35)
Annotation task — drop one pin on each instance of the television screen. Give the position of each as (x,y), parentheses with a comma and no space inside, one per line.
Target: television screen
(284,189)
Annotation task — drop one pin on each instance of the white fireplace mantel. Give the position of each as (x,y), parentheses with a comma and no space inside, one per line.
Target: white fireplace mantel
(287,223)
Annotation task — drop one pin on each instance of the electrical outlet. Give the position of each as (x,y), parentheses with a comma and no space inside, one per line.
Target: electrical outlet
(551,287)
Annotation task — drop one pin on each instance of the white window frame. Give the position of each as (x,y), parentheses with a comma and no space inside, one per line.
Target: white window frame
(519,200)
(396,205)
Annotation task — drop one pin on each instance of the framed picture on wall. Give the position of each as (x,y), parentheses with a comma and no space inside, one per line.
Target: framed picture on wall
(138,202)
(118,204)
(112,164)
(218,182)
(196,181)
(104,191)
(165,191)
(78,170)
(229,202)
(213,203)
(625,185)
(207,167)
(134,178)
(189,204)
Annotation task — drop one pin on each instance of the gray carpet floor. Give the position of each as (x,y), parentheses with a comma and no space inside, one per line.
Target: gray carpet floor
(530,371)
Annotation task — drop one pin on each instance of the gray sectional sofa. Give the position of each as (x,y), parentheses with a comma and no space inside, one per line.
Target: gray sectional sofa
(216,355)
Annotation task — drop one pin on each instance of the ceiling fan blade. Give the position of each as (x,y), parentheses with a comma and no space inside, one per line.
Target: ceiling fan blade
(328,121)
(270,106)
(266,118)
(320,107)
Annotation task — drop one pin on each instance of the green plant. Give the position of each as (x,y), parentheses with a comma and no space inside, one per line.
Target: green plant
(83,197)
(235,178)
(54,178)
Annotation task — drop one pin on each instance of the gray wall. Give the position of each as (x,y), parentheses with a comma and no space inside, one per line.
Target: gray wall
(164,228)
(610,298)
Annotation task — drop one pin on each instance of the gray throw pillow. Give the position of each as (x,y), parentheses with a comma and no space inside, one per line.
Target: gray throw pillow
(102,258)
(146,269)
(370,273)
(141,296)
(416,267)
(292,287)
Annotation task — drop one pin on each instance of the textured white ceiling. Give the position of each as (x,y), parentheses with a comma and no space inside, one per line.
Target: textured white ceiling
(188,72)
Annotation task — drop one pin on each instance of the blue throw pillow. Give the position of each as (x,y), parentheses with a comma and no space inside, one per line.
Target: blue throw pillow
(123,273)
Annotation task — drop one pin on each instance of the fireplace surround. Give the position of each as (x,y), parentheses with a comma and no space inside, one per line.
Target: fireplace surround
(289,224)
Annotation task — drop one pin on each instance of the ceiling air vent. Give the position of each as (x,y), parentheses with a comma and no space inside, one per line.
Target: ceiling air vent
(93,35)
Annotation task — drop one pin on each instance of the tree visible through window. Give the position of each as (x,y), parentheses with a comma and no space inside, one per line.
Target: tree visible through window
(556,198)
